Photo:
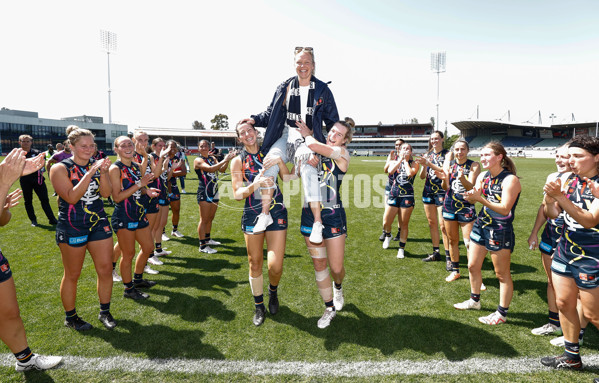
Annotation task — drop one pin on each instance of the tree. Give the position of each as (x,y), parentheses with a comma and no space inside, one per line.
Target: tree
(220,122)
(450,140)
(414,121)
(197,125)
(433,122)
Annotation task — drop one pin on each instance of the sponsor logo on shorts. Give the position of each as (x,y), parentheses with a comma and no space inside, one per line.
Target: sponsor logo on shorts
(391,201)
(335,230)
(558,266)
(161,201)
(306,229)
(282,221)
(107,229)
(586,277)
(4,268)
(77,240)
(475,237)
(426,199)
(448,215)
(132,225)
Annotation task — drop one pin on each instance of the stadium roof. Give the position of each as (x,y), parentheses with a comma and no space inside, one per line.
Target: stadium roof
(469,124)
(188,132)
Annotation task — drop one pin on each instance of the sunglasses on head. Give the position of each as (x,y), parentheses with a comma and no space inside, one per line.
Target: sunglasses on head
(306,49)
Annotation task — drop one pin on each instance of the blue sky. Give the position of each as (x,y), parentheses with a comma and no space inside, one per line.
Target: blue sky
(182,61)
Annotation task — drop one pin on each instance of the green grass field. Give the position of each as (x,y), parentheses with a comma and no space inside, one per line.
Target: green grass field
(396,310)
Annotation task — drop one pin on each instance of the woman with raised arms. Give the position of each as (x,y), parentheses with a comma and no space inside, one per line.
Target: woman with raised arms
(331,252)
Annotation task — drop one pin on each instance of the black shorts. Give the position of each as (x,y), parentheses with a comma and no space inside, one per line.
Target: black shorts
(121,221)
(175,194)
(549,238)
(464,215)
(335,223)
(429,198)
(78,238)
(152,206)
(401,201)
(5,271)
(493,239)
(249,219)
(204,196)
(583,270)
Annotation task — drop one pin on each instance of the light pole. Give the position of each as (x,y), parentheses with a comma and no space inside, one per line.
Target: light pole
(438,66)
(108,41)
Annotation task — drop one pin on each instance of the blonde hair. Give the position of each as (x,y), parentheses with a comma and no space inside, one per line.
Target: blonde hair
(74,133)
(311,52)
(118,140)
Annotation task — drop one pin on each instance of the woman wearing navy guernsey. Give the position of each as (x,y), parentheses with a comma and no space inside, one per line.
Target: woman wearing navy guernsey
(81,183)
(575,265)
(207,168)
(498,190)
(179,170)
(129,217)
(400,201)
(393,156)
(148,165)
(549,238)
(457,211)
(159,155)
(331,252)
(433,194)
(12,330)
(247,175)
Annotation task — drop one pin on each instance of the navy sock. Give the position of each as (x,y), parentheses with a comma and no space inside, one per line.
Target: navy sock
(128,285)
(71,315)
(272,289)
(104,308)
(203,243)
(24,356)
(455,266)
(259,300)
(402,245)
(502,310)
(387,234)
(554,318)
(175,227)
(138,277)
(113,265)
(572,350)
(330,304)
(337,285)
(435,249)
(475,297)
(207,236)
(447,256)
(158,246)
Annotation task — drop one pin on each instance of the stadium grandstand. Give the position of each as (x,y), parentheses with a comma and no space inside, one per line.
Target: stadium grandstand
(189,138)
(525,139)
(377,140)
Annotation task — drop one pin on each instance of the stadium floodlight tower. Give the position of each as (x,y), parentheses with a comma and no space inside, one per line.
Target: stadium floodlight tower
(108,41)
(438,66)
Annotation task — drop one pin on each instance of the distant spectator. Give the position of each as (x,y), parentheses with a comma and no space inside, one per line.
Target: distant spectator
(49,153)
(98,154)
(59,156)
(34,182)
(216,152)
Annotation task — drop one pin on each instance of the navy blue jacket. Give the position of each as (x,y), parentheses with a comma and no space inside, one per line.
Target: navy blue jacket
(274,117)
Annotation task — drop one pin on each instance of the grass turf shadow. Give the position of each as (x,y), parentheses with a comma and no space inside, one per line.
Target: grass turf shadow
(455,340)
(158,341)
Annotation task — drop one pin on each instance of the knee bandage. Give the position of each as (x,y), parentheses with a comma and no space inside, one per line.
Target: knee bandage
(467,243)
(257,285)
(323,282)
(317,252)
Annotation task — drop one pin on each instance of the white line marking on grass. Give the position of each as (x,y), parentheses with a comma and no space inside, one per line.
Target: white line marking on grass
(341,369)
(374,160)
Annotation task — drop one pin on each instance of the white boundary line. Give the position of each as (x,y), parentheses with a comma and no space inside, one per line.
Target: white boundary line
(336,369)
